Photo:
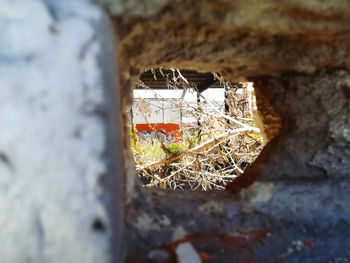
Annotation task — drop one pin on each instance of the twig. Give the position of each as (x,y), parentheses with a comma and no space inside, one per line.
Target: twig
(223,115)
(201,147)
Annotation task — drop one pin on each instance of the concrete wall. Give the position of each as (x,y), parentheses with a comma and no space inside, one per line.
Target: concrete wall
(64,155)
(290,205)
(155,111)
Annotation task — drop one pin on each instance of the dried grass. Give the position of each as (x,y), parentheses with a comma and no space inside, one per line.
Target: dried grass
(209,156)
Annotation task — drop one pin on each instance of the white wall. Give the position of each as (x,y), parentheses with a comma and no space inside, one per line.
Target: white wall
(172,114)
(157,112)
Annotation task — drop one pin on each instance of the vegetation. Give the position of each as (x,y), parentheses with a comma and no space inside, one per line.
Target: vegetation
(209,155)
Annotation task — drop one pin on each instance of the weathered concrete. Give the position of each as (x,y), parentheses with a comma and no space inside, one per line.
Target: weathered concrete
(60,147)
(296,221)
(297,54)
(315,140)
(55,205)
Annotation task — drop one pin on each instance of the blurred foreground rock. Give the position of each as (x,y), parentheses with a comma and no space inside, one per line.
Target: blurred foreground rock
(54,206)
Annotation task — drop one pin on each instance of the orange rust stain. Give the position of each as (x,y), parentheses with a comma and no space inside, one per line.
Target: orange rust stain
(244,242)
(309,243)
(204,256)
(311,15)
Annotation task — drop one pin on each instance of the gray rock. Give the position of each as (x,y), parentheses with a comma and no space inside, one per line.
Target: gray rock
(52,137)
(187,254)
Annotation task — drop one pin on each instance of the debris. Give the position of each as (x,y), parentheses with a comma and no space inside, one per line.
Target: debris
(187,254)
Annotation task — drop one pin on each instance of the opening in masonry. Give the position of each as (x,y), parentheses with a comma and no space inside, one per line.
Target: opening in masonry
(191,130)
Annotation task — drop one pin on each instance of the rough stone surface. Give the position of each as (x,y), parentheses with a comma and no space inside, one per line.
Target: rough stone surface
(56,202)
(293,221)
(314,141)
(53,207)
(297,54)
(272,44)
(269,38)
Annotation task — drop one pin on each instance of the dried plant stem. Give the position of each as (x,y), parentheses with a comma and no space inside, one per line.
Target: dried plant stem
(201,147)
(218,140)
(223,115)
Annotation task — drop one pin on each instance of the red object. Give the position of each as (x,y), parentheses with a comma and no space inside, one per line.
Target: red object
(172,129)
(204,256)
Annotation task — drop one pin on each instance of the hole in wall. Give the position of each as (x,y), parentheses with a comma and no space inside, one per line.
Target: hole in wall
(191,130)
